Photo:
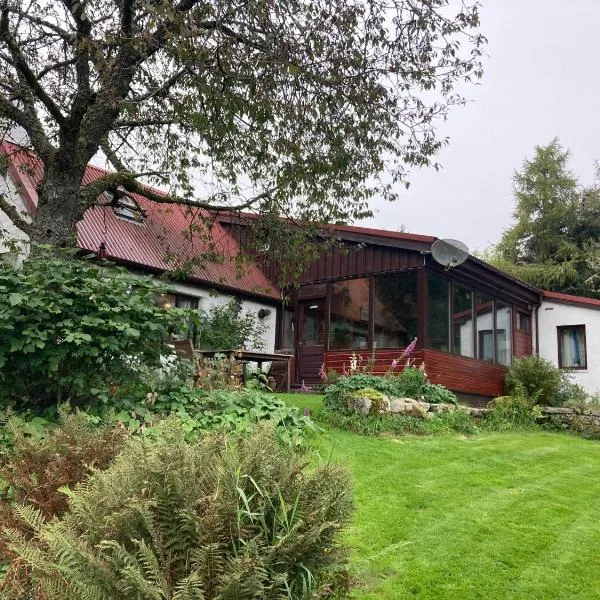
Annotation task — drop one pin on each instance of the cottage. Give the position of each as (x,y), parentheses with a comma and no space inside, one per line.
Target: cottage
(365,298)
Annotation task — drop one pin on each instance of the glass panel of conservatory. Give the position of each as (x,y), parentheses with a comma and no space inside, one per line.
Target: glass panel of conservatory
(503,333)
(484,314)
(439,312)
(462,321)
(349,315)
(395,309)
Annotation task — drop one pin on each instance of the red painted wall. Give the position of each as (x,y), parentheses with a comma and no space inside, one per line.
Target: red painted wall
(457,373)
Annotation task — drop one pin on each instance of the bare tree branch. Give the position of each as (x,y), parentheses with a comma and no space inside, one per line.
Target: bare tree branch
(28,76)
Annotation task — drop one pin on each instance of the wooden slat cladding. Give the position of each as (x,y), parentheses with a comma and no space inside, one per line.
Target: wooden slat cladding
(340,359)
(457,373)
(523,344)
(462,374)
(354,260)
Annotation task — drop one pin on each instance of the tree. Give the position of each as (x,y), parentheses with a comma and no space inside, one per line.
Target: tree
(293,107)
(557,232)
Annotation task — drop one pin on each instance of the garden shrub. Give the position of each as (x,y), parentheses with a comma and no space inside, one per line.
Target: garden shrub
(438,394)
(224,518)
(198,411)
(409,383)
(537,377)
(513,412)
(71,330)
(224,327)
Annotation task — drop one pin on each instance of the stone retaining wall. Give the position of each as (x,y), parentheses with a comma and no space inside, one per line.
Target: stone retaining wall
(585,423)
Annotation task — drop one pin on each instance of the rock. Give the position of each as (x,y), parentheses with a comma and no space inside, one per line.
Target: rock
(499,401)
(409,407)
(438,408)
(381,407)
(362,406)
(556,410)
(425,405)
(478,412)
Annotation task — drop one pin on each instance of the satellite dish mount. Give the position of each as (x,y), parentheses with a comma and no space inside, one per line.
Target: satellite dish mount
(449,253)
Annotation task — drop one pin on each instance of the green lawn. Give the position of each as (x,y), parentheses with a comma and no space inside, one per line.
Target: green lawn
(507,515)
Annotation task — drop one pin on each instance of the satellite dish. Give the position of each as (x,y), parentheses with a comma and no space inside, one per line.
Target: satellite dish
(449,253)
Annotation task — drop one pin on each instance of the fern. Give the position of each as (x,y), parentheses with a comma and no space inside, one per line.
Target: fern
(226,518)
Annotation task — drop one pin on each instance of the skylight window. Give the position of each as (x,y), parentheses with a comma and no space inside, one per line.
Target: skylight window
(127,208)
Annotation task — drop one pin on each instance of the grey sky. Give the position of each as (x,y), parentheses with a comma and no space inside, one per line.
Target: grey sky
(542,80)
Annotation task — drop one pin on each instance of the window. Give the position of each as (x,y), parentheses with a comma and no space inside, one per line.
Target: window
(168,301)
(523,322)
(484,315)
(571,347)
(439,312)
(127,208)
(503,333)
(462,321)
(349,322)
(395,309)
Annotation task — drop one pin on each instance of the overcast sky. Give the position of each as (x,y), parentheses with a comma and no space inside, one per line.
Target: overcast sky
(542,80)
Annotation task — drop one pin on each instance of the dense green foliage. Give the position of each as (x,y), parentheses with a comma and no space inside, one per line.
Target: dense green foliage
(398,424)
(198,411)
(224,518)
(537,379)
(411,382)
(291,108)
(512,413)
(224,327)
(70,330)
(555,241)
(453,517)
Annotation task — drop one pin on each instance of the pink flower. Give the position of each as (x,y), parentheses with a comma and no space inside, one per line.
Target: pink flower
(307,412)
(394,364)
(303,387)
(409,349)
(323,373)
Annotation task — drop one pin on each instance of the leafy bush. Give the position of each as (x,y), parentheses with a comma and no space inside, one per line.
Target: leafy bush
(225,518)
(537,377)
(198,411)
(411,382)
(513,412)
(438,394)
(70,330)
(42,460)
(397,424)
(337,393)
(224,327)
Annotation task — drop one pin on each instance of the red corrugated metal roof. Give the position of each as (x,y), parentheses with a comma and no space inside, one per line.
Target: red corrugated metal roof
(570,299)
(383,233)
(170,236)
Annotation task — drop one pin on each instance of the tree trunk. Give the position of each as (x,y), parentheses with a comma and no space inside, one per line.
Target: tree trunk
(58,208)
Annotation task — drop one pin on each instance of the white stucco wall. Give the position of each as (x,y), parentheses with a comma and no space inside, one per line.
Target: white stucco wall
(552,315)
(209,297)
(7,229)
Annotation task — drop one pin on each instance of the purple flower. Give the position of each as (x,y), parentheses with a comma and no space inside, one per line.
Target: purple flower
(394,364)
(409,349)
(307,412)
(304,388)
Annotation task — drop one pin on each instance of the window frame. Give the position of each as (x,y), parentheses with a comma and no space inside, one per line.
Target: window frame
(559,330)
(520,314)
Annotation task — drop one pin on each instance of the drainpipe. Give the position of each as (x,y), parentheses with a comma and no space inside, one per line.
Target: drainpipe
(537,328)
